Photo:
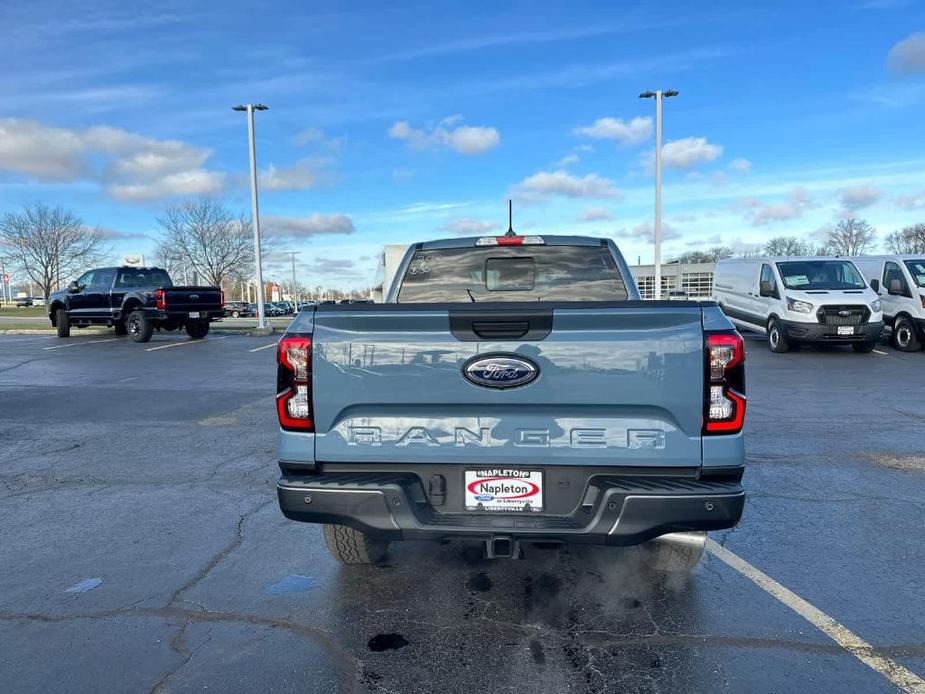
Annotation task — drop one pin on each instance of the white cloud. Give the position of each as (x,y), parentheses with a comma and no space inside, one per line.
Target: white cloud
(317,136)
(193,182)
(465,139)
(761,213)
(308,226)
(567,160)
(304,174)
(130,166)
(645,231)
(544,184)
(859,197)
(741,165)
(468,226)
(688,152)
(627,133)
(911,202)
(595,214)
(908,55)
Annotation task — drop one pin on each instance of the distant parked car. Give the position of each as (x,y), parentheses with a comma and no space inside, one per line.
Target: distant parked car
(24,302)
(272,310)
(286,307)
(239,309)
(307,305)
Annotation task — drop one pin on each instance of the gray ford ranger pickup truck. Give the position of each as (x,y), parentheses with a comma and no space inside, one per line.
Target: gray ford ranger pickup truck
(513,389)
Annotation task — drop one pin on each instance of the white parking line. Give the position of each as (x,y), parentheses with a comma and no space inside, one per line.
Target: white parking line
(187,342)
(877,351)
(264,347)
(88,342)
(905,679)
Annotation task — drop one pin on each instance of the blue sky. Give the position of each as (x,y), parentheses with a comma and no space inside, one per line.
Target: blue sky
(393,124)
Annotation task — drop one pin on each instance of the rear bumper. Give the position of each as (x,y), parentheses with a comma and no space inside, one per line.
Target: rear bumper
(814,332)
(622,511)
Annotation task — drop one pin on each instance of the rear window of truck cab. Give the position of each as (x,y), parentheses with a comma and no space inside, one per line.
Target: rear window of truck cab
(517,273)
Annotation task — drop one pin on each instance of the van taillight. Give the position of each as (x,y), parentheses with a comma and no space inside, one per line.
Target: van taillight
(293,383)
(724,384)
(160,300)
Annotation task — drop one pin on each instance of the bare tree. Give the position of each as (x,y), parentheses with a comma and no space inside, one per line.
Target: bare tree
(709,256)
(787,245)
(50,244)
(851,237)
(909,239)
(203,237)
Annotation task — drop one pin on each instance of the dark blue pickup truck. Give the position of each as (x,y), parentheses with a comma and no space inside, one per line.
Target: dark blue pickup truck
(135,301)
(513,389)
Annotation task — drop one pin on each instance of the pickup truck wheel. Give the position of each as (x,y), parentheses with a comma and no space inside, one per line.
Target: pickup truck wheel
(139,326)
(62,323)
(904,337)
(197,329)
(776,340)
(235,314)
(676,556)
(119,327)
(351,546)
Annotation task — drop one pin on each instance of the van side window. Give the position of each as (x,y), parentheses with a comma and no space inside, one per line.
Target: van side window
(767,275)
(892,272)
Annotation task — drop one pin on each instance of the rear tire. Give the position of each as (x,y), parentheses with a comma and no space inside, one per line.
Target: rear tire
(235,314)
(351,546)
(864,347)
(62,323)
(676,557)
(197,329)
(139,326)
(904,337)
(776,341)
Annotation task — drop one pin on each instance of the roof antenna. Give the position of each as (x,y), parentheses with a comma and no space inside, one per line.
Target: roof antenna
(510,218)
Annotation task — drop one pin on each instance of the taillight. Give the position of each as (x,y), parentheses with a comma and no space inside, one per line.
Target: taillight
(293,383)
(160,299)
(724,384)
(221,298)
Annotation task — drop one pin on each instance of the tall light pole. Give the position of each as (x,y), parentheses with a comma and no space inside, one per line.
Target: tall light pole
(657,95)
(292,255)
(255,214)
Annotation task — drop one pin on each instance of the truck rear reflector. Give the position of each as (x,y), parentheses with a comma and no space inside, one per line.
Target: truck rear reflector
(510,241)
(724,383)
(293,383)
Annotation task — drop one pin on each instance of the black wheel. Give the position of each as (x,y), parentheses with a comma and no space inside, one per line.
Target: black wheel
(776,340)
(197,329)
(120,328)
(139,326)
(235,314)
(904,337)
(62,323)
(864,347)
(351,546)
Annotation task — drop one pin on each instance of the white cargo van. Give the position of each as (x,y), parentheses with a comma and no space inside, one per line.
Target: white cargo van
(900,281)
(800,300)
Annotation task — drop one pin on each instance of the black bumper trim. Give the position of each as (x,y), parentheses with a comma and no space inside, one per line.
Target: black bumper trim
(394,507)
(815,332)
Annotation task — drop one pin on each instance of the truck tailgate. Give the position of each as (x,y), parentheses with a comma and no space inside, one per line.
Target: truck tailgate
(191,298)
(616,386)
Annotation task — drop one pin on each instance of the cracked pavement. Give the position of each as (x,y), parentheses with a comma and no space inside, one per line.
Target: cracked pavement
(155,472)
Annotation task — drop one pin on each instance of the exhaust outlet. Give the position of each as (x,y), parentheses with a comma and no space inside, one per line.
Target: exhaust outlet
(678,552)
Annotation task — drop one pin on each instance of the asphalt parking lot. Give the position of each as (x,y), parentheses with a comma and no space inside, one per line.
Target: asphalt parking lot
(141,548)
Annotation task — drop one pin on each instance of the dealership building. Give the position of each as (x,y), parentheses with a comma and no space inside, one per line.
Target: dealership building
(694,279)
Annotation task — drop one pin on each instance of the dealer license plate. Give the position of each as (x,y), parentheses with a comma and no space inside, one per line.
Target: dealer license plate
(194,314)
(845,330)
(504,489)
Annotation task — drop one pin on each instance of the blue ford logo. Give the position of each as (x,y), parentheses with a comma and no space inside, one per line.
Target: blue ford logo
(500,371)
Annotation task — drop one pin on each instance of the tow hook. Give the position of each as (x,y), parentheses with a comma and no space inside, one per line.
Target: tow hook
(502,547)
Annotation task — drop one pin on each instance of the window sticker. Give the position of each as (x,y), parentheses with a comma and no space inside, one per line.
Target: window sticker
(796,280)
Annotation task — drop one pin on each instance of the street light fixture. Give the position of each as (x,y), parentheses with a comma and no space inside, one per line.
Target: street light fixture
(255,214)
(292,255)
(657,95)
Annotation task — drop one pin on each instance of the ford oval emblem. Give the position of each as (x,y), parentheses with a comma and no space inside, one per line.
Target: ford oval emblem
(500,371)
(194,297)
